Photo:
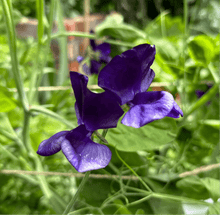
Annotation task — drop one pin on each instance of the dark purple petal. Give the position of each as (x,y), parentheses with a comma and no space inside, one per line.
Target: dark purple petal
(79,85)
(176,111)
(126,74)
(148,106)
(94,110)
(80,59)
(93,45)
(101,111)
(95,66)
(147,80)
(52,145)
(104,48)
(83,153)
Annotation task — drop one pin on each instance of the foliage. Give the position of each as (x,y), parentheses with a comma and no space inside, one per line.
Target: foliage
(186,57)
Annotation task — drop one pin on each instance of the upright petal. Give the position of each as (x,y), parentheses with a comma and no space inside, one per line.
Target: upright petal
(83,153)
(94,110)
(79,85)
(150,106)
(52,145)
(127,74)
(101,111)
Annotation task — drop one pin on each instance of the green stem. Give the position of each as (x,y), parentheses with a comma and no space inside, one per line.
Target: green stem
(52,9)
(14,138)
(7,9)
(91,36)
(140,179)
(71,203)
(179,198)
(40,33)
(214,75)
(205,98)
(53,115)
(63,59)
(139,201)
(185,18)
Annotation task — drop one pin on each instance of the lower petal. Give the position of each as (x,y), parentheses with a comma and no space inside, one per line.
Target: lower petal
(52,145)
(148,106)
(83,153)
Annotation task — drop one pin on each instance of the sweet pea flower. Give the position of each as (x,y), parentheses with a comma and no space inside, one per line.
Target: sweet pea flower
(127,77)
(93,111)
(104,50)
(79,149)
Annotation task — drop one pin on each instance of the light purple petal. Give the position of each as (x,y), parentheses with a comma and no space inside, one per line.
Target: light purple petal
(86,69)
(148,106)
(176,111)
(80,59)
(129,73)
(52,145)
(83,153)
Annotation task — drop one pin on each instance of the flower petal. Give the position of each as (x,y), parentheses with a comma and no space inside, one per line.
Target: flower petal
(95,67)
(104,48)
(52,145)
(101,111)
(148,106)
(83,153)
(176,111)
(94,110)
(125,73)
(79,59)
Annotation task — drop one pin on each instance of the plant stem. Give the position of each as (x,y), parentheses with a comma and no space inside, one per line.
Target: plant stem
(40,33)
(52,114)
(7,9)
(71,203)
(63,60)
(185,18)
(90,36)
(140,179)
(205,98)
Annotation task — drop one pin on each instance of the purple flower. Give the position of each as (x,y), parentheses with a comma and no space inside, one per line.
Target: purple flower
(79,149)
(104,50)
(127,77)
(94,110)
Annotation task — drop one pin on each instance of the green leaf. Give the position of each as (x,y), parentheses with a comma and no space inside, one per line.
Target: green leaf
(7,102)
(139,211)
(214,209)
(193,187)
(122,209)
(150,137)
(201,49)
(113,26)
(213,187)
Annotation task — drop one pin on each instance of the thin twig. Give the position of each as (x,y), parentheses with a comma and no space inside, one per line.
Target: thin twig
(199,170)
(96,87)
(126,177)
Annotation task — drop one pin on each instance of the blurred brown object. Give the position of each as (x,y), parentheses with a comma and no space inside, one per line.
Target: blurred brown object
(28,28)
